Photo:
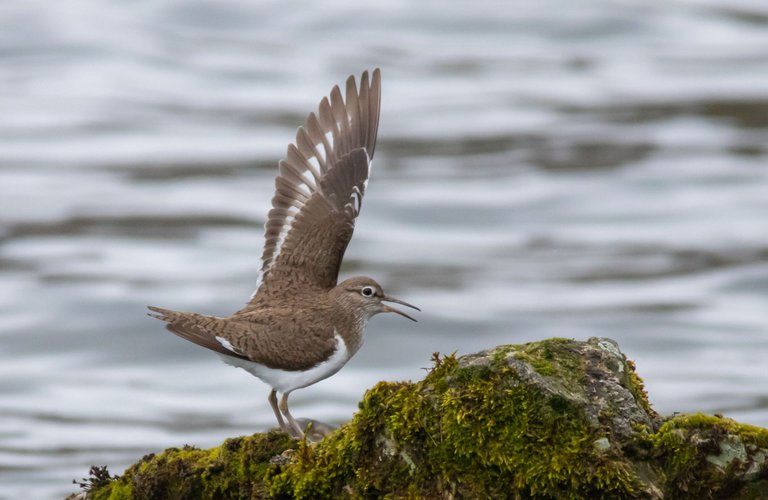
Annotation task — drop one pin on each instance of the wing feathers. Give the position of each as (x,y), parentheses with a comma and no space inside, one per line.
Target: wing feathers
(292,174)
(353,108)
(322,181)
(364,111)
(317,136)
(307,147)
(298,161)
(374,108)
(341,118)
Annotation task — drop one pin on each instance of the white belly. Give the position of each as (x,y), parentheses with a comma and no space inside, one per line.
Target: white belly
(286,381)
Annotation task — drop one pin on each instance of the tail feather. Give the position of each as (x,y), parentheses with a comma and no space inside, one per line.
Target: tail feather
(196,328)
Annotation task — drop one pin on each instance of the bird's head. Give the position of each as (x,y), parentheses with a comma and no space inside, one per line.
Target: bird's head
(367,297)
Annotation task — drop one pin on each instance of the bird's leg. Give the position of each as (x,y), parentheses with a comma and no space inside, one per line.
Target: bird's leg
(296,430)
(280,421)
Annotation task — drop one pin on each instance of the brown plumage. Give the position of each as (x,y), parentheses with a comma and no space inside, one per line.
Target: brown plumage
(300,326)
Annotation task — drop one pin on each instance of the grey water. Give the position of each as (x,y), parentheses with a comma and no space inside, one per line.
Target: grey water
(544,168)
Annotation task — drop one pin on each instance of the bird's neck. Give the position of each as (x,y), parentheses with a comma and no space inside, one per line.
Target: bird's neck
(351,327)
(349,321)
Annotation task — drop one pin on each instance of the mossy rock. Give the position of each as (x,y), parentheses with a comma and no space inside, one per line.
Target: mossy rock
(552,419)
(713,457)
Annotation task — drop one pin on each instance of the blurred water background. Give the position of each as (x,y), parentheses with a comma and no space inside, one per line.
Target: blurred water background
(544,168)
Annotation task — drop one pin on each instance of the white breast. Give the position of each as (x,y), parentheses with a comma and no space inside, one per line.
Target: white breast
(286,381)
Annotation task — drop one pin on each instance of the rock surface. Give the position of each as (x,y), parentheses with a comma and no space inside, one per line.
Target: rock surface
(552,419)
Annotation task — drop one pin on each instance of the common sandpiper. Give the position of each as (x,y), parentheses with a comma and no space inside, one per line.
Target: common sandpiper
(301,326)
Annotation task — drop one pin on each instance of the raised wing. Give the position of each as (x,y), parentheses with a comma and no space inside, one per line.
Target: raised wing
(319,191)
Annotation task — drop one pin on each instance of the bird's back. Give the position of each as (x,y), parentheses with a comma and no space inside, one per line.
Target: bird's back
(286,337)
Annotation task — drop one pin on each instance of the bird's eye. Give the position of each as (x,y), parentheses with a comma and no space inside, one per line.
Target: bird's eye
(367,291)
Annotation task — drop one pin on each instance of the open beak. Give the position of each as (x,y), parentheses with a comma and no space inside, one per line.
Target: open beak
(386,308)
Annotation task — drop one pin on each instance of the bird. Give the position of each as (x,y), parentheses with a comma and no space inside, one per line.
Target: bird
(301,325)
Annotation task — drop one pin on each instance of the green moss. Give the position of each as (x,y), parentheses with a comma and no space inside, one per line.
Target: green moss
(115,491)
(553,358)
(510,422)
(750,434)
(233,470)
(471,430)
(637,387)
(696,456)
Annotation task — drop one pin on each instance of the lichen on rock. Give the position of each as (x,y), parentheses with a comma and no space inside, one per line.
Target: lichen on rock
(553,419)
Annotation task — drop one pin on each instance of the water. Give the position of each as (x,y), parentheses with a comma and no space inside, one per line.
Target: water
(544,169)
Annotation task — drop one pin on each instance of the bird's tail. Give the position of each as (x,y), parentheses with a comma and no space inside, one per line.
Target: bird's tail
(196,328)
